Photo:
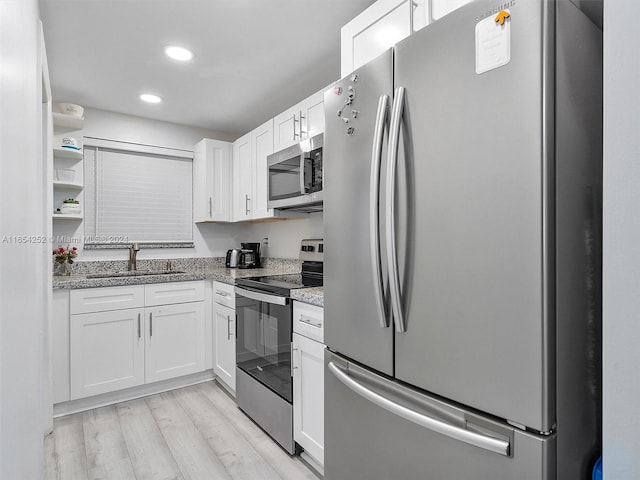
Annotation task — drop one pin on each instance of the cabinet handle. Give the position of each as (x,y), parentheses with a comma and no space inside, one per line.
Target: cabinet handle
(222,294)
(302,117)
(150,324)
(310,321)
(139,331)
(228,327)
(210,206)
(293,367)
(295,120)
(246,204)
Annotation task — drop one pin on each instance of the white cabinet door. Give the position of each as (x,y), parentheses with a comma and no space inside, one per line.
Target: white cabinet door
(106,351)
(308,396)
(305,119)
(175,341)
(286,128)
(59,346)
(262,146)
(439,8)
(312,109)
(242,179)
(379,27)
(173,292)
(224,364)
(212,181)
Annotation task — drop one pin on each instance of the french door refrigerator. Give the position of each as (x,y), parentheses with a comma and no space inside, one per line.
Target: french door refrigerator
(462,223)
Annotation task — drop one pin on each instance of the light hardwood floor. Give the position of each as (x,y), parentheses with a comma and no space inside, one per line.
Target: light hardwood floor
(195,432)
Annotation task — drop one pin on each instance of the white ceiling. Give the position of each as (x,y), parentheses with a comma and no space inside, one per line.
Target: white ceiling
(253,58)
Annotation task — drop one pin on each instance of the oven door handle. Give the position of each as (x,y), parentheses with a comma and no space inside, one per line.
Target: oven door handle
(262,297)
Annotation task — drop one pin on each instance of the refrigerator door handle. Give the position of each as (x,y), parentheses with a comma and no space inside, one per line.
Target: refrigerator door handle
(374,213)
(485,442)
(392,163)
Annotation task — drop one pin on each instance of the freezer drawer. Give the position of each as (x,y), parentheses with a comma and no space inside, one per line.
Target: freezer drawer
(377,429)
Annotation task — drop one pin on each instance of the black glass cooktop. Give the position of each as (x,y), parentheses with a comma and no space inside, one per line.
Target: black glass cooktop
(280,284)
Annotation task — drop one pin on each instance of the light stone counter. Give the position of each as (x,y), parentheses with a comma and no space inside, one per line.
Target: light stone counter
(193,271)
(313,295)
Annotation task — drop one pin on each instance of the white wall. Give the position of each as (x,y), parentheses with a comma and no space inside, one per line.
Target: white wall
(284,236)
(22,272)
(210,239)
(621,269)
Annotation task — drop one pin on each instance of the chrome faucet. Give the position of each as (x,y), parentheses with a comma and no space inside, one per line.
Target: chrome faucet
(133,251)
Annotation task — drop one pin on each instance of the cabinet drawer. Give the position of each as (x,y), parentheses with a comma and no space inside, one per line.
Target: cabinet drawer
(89,300)
(224,294)
(308,320)
(175,292)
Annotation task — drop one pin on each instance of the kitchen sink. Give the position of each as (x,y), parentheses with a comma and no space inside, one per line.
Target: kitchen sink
(133,273)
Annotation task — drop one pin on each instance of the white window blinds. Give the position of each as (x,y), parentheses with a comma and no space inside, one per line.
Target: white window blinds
(132,196)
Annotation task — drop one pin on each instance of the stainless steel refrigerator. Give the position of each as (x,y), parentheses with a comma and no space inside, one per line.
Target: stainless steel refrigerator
(462,269)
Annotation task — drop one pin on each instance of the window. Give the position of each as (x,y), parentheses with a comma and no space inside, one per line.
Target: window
(137,193)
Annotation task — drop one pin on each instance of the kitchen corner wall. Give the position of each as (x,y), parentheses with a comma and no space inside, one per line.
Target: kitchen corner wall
(284,235)
(23,299)
(210,239)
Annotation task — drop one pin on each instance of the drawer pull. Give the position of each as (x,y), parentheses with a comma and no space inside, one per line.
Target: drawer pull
(222,294)
(310,321)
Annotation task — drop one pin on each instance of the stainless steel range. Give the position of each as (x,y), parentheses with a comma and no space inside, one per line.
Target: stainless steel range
(264,313)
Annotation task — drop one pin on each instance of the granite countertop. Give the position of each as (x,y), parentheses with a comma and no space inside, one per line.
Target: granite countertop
(192,271)
(219,274)
(313,295)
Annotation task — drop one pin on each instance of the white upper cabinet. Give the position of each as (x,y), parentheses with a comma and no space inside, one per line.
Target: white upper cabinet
(379,27)
(302,121)
(439,8)
(242,179)
(212,181)
(250,175)
(262,146)
(384,24)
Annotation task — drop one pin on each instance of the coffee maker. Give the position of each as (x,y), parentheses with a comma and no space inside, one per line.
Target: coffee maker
(249,255)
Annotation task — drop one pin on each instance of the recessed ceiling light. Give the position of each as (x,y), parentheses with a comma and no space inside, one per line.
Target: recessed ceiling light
(147,97)
(178,53)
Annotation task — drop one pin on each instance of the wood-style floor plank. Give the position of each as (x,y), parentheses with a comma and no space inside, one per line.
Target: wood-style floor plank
(50,462)
(149,453)
(190,450)
(70,454)
(287,467)
(107,454)
(192,433)
(238,456)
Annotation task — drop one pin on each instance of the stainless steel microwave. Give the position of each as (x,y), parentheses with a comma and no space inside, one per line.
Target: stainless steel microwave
(295,176)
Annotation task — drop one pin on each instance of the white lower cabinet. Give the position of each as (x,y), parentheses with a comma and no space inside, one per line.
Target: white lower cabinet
(225,347)
(107,351)
(308,380)
(224,331)
(174,341)
(112,348)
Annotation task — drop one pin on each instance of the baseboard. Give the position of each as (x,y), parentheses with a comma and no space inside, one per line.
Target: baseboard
(89,403)
(226,388)
(313,464)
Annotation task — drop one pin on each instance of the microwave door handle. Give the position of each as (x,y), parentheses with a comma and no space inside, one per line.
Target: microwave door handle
(302,189)
(374,212)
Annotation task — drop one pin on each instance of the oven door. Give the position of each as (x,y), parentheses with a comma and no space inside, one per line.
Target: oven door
(263,339)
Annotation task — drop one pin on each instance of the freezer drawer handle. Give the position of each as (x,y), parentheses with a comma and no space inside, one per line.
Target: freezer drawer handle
(392,256)
(488,443)
(374,213)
